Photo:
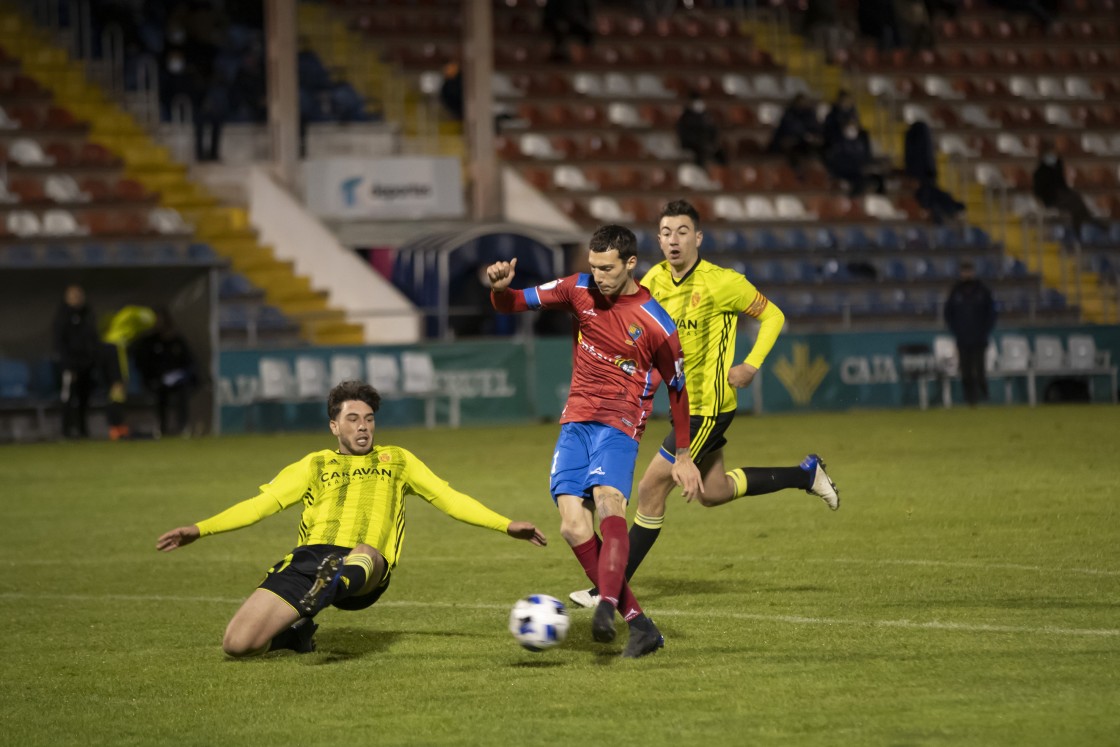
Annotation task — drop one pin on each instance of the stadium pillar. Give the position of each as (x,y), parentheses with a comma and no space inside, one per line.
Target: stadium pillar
(283,88)
(478,69)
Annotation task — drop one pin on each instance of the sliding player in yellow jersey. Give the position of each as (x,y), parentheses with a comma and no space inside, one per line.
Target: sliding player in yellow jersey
(350,532)
(705,302)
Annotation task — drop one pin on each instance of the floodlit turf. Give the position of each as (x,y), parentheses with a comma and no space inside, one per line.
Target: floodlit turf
(966,593)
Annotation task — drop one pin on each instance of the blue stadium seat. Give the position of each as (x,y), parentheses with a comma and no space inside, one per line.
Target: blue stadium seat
(58,254)
(797,239)
(20,254)
(233,285)
(1093,235)
(732,241)
(807,272)
(889,238)
(854,238)
(977,237)
(896,270)
(270,317)
(15,379)
(824,239)
(201,252)
(647,242)
(767,241)
(918,238)
(836,272)
(95,254)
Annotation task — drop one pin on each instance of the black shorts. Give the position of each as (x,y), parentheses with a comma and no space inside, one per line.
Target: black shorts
(292,577)
(707,436)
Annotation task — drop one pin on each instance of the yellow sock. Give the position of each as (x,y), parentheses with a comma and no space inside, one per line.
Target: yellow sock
(649,522)
(739,478)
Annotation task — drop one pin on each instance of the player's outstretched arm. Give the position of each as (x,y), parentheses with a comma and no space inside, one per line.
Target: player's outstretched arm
(523,530)
(168,541)
(501,275)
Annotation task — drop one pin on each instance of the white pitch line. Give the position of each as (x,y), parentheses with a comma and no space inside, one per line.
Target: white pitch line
(790,619)
(979,565)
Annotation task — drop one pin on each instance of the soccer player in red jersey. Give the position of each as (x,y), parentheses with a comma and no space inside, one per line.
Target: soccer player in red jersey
(625,347)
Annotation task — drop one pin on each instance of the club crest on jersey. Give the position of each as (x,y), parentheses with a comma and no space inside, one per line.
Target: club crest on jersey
(384,457)
(635,332)
(695,300)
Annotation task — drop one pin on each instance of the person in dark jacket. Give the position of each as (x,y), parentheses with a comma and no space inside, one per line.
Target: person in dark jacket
(77,351)
(1052,190)
(698,133)
(970,313)
(166,365)
(921,165)
(799,135)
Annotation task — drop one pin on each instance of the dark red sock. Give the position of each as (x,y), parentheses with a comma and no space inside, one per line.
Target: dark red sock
(612,558)
(628,605)
(588,556)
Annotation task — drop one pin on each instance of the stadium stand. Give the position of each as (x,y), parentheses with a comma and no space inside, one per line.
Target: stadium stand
(86,184)
(596,136)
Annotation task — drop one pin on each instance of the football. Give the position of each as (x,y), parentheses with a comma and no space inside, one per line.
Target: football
(538,622)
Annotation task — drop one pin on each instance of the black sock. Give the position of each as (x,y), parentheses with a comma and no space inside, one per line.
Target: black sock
(643,533)
(354,575)
(761,480)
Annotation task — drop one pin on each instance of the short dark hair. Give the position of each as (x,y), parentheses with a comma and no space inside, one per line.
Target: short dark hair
(610,237)
(680,207)
(351,390)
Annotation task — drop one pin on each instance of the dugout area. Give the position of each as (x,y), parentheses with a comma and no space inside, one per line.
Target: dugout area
(30,409)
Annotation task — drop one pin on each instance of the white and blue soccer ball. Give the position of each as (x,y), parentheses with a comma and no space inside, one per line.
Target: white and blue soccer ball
(538,622)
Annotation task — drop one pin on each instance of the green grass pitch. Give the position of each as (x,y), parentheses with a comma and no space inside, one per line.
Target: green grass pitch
(966,593)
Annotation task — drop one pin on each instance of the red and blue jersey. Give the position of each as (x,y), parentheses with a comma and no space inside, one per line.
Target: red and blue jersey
(624,348)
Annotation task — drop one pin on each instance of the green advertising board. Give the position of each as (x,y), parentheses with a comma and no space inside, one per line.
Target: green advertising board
(511,380)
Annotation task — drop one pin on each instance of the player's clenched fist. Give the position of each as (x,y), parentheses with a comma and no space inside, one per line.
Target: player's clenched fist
(500,274)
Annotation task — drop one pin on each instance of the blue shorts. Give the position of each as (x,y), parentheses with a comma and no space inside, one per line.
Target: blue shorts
(590,454)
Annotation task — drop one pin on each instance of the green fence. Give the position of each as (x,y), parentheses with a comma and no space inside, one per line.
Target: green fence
(511,380)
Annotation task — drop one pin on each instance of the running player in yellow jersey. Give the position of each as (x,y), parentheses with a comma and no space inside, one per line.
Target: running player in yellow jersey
(350,532)
(705,302)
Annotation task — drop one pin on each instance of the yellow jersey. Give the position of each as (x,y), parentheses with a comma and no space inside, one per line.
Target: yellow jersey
(705,304)
(349,500)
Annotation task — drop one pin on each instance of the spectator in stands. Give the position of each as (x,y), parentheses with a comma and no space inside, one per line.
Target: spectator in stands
(699,134)
(921,166)
(167,369)
(876,19)
(77,353)
(1052,190)
(799,135)
(970,313)
(913,23)
(849,160)
(821,24)
(567,18)
(842,114)
(1042,11)
(451,96)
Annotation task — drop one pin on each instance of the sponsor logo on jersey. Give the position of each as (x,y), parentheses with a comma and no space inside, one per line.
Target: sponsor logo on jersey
(356,473)
(597,471)
(549,285)
(626,364)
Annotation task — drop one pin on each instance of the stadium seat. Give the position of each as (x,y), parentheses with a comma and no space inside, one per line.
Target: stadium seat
(1014,353)
(311,377)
